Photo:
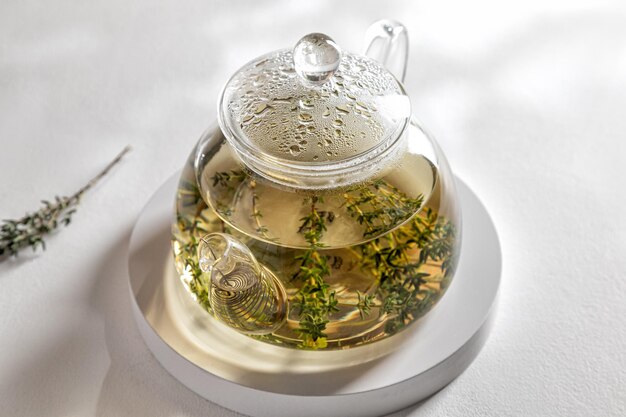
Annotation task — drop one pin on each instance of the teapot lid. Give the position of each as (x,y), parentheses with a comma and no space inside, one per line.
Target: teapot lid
(314,104)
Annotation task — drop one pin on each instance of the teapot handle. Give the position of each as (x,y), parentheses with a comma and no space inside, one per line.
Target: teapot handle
(387,42)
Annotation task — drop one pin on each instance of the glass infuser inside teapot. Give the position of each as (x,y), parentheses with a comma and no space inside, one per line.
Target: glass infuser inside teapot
(318,215)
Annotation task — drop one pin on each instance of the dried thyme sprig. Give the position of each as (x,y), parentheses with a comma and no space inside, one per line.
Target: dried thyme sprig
(31,229)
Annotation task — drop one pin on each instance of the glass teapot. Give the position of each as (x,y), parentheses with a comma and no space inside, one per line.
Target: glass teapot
(318,214)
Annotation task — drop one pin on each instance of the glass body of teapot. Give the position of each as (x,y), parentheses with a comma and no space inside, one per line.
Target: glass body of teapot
(318,214)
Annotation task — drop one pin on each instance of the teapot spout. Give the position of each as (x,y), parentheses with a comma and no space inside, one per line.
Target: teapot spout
(243,294)
(387,42)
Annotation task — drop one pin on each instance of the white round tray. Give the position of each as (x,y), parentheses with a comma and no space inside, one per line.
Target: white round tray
(259,379)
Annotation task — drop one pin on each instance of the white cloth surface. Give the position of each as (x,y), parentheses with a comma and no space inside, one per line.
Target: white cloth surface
(527,99)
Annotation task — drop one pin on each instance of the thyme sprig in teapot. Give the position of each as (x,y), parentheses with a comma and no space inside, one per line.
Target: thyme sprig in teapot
(31,229)
(397,259)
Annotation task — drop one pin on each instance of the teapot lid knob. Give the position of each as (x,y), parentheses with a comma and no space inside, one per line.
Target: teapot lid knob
(316,57)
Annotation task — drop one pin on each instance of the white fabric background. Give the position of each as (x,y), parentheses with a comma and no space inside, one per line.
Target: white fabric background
(528,100)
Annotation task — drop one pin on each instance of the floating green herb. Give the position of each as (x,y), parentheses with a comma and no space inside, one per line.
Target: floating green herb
(398,259)
(314,300)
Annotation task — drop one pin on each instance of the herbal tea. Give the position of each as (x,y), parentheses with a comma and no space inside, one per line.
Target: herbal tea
(350,265)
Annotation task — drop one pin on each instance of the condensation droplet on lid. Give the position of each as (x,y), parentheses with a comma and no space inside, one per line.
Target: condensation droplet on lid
(306,104)
(295,149)
(261,108)
(305,117)
(343,109)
